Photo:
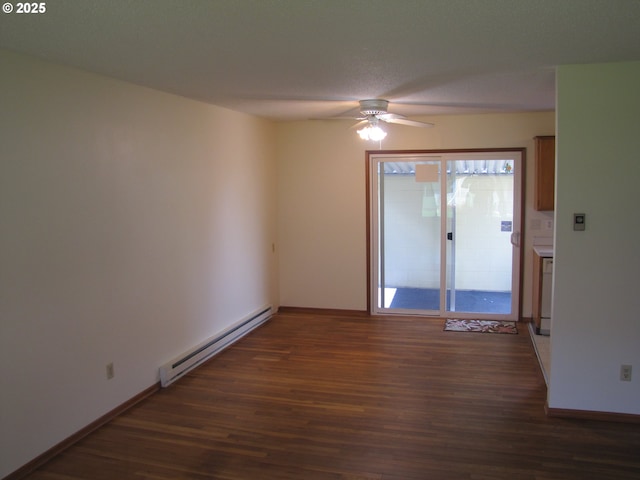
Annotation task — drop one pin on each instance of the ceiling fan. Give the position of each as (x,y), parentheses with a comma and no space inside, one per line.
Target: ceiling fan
(373,111)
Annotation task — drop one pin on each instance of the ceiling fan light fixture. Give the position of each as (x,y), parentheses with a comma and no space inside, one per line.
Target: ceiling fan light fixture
(372,133)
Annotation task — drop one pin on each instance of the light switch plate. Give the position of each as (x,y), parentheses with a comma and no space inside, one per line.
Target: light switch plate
(579,221)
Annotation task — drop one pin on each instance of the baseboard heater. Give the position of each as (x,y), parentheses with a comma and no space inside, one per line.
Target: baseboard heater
(178,367)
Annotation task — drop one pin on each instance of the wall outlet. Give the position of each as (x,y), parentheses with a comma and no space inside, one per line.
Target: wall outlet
(110,371)
(625,373)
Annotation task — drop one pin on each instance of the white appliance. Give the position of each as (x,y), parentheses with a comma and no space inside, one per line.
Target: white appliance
(545,301)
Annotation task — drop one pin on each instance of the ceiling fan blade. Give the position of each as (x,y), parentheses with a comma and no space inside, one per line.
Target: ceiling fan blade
(402,120)
(360,123)
(340,118)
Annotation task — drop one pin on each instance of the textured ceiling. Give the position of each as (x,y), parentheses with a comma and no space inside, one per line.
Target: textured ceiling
(298,59)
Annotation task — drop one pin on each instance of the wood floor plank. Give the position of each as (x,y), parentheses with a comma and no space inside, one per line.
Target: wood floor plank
(311,396)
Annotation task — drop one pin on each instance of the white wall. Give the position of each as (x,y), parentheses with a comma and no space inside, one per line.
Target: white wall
(321,185)
(596,325)
(134,224)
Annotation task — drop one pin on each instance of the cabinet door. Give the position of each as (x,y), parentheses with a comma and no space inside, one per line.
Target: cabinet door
(545,155)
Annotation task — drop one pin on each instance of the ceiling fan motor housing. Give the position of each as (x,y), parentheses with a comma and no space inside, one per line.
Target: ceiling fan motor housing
(373,107)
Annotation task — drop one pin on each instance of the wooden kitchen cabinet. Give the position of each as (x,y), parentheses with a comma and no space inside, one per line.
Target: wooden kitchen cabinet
(545,175)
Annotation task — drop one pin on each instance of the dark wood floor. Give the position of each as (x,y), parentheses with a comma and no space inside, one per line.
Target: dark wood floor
(329,397)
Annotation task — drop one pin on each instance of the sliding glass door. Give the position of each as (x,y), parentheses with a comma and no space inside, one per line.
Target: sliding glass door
(408,234)
(445,230)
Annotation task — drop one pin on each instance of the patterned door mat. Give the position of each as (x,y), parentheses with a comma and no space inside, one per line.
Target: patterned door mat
(482,326)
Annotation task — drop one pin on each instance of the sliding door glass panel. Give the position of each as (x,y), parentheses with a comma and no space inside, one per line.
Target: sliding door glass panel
(480,213)
(409,235)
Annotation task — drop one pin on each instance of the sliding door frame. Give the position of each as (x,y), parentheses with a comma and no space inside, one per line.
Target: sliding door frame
(369,207)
